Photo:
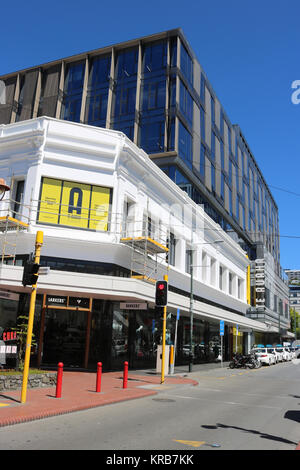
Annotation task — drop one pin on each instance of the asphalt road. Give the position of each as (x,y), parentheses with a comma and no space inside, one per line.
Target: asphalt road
(229,410)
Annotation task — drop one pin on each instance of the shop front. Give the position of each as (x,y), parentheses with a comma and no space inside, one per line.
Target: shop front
(82,331)
(114,332)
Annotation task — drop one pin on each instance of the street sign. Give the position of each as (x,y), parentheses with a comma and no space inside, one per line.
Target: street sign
(178,314)
(221,327)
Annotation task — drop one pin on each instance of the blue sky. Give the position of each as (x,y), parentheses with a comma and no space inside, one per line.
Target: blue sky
(248,49)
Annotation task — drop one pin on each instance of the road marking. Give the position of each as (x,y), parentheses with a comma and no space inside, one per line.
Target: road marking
(191,443)
(4,404)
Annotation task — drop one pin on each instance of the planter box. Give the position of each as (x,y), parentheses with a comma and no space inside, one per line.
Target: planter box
(14,382)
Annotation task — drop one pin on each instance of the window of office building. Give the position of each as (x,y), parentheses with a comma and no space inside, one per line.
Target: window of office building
(186,64)
(154,57)
(213,177)
(221,278)
(202,161)
(74,76)
(230,201)
(188,261)
(213,112)
(18,198)
(202,88)
(213,146)
(202,124)
(171,245)
(28,83)
(185,145)
(97,95)
(153,94)
(222,190)
(49,91)
(173,51)
(123,108)
(153,98)
(186,104)
(222,155)
(171,134)
(152,135)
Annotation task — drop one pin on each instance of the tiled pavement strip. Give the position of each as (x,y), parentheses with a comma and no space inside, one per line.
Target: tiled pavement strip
(79,393)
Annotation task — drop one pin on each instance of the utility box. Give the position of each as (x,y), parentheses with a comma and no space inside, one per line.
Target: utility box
(159,359)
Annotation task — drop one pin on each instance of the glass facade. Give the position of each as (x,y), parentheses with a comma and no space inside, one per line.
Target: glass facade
(73,92)
(98,87)
(124,96)
(153,98)
(108,334)
(153,93)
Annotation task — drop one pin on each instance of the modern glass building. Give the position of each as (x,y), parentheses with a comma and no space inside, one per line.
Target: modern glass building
(155,91)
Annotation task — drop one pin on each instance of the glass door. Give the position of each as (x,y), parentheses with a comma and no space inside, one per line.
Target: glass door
(64,337)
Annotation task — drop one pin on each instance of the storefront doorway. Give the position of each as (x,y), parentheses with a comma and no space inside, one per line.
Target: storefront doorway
(64,334)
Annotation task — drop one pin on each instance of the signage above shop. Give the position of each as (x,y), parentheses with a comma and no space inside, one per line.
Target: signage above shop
(133,306)
(83,302)
(55,301)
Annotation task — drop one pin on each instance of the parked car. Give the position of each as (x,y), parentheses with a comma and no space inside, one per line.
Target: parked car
(264,356)
(278,354)
(296,351)
(292,351)
(286,354)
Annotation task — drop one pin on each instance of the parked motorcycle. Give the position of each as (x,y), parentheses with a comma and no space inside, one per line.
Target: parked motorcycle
(247,360)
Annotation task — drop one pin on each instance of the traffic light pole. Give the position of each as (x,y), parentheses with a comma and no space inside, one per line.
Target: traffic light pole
(164,341)
(38,245)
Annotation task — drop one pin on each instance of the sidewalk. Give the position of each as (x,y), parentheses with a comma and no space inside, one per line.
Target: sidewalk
(79,393)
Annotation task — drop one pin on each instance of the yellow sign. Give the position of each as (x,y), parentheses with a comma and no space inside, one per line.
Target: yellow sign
(74,204)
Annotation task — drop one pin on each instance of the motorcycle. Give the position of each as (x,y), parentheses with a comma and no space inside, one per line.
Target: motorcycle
(248,360)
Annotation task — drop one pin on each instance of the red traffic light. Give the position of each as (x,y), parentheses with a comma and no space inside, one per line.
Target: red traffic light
(161,293)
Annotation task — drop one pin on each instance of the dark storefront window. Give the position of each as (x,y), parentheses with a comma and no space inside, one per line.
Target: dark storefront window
(8,314)
(64,337)
(206,341)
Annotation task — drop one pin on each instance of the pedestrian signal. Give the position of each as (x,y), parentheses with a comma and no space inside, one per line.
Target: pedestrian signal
(161,293)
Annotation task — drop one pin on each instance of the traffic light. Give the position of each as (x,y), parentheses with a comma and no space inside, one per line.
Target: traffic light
(30,273)
(161,293)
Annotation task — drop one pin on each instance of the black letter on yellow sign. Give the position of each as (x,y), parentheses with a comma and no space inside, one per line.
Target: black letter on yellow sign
(77,208)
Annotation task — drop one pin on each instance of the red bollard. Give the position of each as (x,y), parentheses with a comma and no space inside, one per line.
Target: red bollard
(125,374)
(99,374)
(59,379)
